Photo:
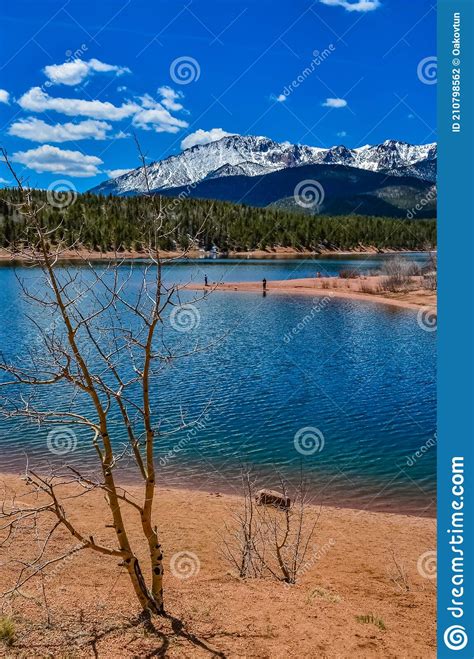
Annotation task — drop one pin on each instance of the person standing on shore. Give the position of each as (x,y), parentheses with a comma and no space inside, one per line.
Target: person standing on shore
(264,284)
(205,280)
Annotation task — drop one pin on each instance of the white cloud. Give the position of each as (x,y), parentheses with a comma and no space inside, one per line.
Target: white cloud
(204,137)
(37,130)
(148,114)
(281,98)
(342,133)
(4,96)
(158,119)
(154,116)
(113,173)
(169,97)
(358,5)
(147,101)
(334,103)
(36,100)
(73,73)
(49,158)
(3,181)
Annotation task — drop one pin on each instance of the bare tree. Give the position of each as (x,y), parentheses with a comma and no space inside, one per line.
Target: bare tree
(106,346)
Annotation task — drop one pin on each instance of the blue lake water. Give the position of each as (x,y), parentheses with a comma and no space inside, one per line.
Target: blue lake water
(233,269)
(345,390)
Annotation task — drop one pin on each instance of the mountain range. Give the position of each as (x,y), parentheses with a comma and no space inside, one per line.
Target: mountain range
(386,178)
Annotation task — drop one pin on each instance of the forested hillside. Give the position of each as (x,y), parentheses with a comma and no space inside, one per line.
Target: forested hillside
(108,223)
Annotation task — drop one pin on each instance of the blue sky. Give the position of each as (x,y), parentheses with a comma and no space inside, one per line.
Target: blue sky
(77,78)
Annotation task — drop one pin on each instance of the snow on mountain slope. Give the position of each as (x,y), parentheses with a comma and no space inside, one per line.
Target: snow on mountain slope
(251,156)
(392,155)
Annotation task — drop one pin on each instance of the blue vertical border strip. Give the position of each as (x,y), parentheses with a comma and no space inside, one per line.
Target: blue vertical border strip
(455,328)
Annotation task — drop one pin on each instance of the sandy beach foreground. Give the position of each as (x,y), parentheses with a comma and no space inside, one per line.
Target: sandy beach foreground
(366,288)
(363,564)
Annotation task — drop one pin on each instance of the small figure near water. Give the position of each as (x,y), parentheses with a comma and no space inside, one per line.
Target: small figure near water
(264,284)
(205,280)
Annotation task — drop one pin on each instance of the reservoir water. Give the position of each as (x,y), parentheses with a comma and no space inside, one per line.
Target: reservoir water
(343,390)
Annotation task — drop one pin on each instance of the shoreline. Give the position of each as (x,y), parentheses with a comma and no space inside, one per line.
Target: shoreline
(416,298)
(193,490)
(275,253)
(194,487)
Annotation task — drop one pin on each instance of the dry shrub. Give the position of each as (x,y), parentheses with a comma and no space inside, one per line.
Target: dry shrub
(349,274)
(413,269)
(266,540)
(397,275)
(366,287)
(430,273)
(430,281)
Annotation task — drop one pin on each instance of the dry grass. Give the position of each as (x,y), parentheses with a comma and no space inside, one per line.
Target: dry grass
(370,619)
(349,274)
(370,288)
(7,630)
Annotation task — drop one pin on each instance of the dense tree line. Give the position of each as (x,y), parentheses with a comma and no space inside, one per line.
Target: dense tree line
(118,223)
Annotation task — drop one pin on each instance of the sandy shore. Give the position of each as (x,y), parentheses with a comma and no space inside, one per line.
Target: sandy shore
(362,288)
(276,252)
(356,569)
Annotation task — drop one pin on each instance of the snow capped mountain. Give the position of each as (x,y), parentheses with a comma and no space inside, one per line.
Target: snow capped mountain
(228,156)
(250,156)
(393,155)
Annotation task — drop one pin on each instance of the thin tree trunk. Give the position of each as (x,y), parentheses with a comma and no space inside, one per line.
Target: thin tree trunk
(146,599)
